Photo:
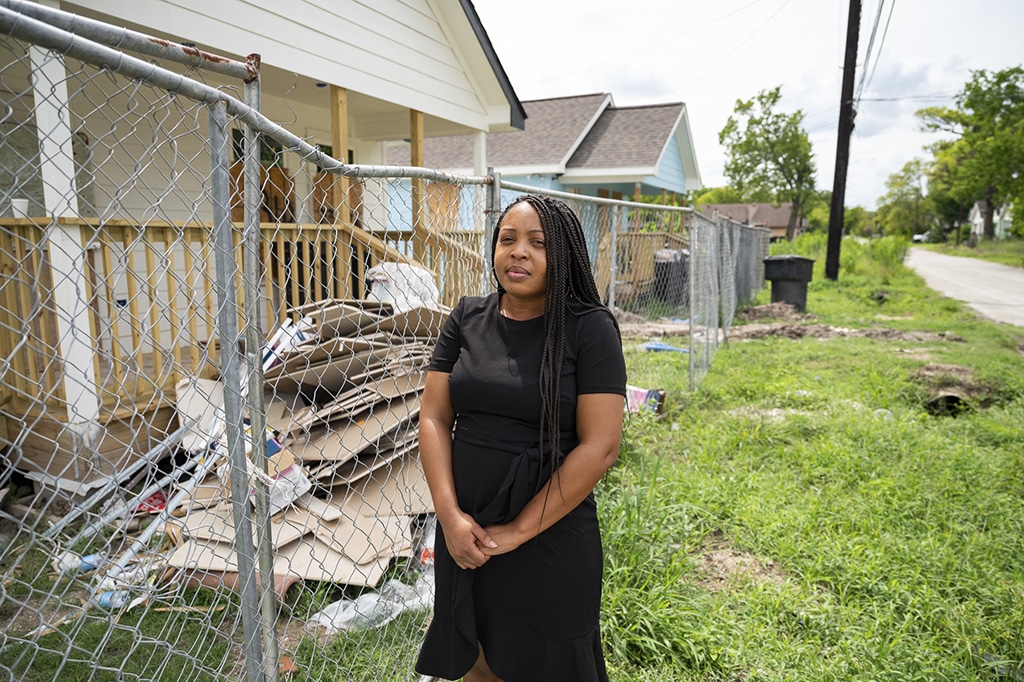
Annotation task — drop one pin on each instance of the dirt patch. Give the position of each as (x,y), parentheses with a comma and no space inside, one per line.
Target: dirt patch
(781,311)
(783,321)
(952,388)
(632,325)
(824,332)
(719,564)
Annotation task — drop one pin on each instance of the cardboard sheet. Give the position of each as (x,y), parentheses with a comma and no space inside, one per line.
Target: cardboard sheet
(203,401)
(344,439)
(329,376)
(318,351)
(308,558)
(353,470)
(400,488)
(422,323)
(284,410)
(369,394)
(335,317)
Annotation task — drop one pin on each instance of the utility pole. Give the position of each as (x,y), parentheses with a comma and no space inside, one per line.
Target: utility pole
(846,114)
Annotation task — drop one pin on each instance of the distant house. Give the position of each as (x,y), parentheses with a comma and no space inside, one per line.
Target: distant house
(1002,219)
(582,144)
(775,218)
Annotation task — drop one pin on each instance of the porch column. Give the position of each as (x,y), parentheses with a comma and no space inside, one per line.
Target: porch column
(339,147)
(637,214)
(419,204)
(64,243)
(480,191)
(480,152)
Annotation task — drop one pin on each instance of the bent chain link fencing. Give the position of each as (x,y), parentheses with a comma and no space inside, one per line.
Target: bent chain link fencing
(213,339)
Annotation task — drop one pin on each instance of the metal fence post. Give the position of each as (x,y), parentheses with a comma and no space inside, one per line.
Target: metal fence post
(613,266)
(227,321)
(493,211)
(252,196)
(691,281)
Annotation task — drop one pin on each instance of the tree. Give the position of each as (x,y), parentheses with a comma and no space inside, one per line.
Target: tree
(950,205)
(768,152)
(905,209)
(986,157)
(817,208)
(859,221)
(717,195)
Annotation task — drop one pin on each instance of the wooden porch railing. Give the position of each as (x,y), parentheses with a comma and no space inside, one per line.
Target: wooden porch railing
(152,304)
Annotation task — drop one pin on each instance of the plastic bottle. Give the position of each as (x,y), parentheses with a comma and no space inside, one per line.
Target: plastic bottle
(70,562)
(112,599)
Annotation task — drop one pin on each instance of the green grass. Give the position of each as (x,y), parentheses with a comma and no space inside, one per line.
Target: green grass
(101,645)
(1005,251)
(885,542)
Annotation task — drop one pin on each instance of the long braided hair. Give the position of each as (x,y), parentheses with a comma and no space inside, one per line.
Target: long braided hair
(570,284)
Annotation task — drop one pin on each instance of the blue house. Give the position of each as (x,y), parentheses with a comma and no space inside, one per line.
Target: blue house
(582,144)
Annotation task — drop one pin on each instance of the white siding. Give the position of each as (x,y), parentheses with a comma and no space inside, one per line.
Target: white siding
(398,51)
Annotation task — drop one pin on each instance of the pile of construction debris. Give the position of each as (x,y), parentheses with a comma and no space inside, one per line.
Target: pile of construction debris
(343,383)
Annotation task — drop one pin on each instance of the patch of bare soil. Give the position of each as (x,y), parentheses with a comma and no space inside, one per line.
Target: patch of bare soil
(824,332)
(774,319)
(953,388)
(632,325)
(719,564)
(780,311)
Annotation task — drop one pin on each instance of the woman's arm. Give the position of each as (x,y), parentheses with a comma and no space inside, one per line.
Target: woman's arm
(599,426)
(463,536)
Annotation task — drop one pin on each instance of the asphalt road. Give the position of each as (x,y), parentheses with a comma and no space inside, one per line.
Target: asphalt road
(995,291)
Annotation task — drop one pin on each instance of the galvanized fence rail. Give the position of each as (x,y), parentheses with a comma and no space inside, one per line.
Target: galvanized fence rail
(211,363)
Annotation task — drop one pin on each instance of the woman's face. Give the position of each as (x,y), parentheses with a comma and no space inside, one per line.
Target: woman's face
(520,257)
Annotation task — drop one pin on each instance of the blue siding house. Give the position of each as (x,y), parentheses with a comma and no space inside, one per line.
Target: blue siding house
(584,145)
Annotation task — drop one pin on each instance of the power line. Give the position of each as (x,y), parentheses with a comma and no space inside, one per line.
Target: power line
(939,96)
(885,32)
(739,44)
(871,45)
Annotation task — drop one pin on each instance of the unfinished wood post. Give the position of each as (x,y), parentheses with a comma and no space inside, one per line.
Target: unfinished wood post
(339,149)
(419,204)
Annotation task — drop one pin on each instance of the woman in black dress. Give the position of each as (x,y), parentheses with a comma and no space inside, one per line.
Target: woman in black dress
(533,381)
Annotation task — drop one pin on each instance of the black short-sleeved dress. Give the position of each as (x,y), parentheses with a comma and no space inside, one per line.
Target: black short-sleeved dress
(535,610)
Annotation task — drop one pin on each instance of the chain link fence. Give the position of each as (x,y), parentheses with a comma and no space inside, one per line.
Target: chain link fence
(212,360)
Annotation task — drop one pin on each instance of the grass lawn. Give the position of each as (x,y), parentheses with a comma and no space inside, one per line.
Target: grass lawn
(1005,251)
(845,504)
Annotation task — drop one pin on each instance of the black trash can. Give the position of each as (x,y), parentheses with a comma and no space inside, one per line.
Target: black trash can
(684,278)
(669,277)
(789,276)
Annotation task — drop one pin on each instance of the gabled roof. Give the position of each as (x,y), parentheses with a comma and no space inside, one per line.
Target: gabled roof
(628,137)
(554,130)
(752,214)
(628,145)
(585,140)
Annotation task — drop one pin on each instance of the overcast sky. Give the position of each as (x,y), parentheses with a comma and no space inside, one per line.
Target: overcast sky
(709,53)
